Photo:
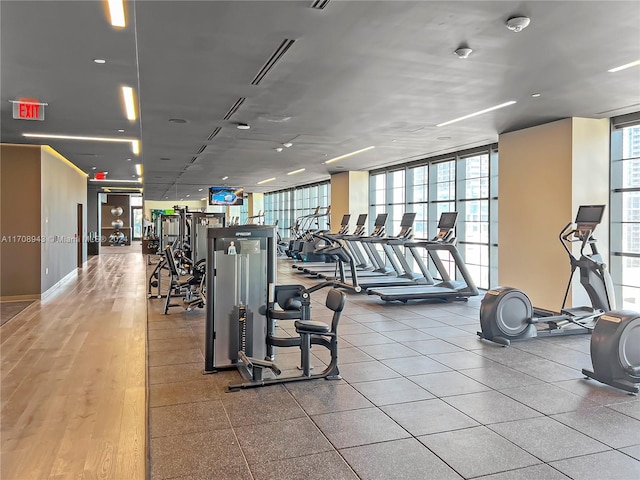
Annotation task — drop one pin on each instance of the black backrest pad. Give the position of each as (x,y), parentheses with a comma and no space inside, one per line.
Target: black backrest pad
(168,252)
(335,300)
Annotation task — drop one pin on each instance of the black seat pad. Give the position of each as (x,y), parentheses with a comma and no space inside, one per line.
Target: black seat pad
(311,326)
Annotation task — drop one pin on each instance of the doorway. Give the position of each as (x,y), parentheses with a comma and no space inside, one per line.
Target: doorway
(136,220)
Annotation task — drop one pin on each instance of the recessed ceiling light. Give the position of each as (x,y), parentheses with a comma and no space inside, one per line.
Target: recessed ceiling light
(135,144)
(624,67)
(463,52)
(200,189)
(112,181)
(120,130)
(177,120)
(99,61)
(128,159)
(93,168)
(224,178)
(490,109)
(243,126)
(350,154)
(261,182)
(129,104)
(188,196)
(535,95)
(287,145)
(517,24)
(279,149)
(296,171)
(134,176)
(116,11)
(181,199)
(166,197)
(444,138)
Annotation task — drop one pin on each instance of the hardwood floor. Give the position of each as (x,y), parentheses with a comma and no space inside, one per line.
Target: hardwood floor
(73,378)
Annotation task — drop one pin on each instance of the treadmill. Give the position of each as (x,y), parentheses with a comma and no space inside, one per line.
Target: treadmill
(344,226)
(391,247)
(447,289)
(352,241)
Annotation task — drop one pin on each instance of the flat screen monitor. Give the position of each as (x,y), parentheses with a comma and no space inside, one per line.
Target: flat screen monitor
(345,220)
(448,220)
(225,196)
(408,219)
(362,219)
(591,214)
(381,220)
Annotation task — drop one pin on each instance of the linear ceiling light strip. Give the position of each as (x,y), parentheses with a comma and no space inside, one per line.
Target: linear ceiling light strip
(277,55)
(234,108)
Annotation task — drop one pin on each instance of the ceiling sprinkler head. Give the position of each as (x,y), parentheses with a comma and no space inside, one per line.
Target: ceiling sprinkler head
(463,52)
(517,24)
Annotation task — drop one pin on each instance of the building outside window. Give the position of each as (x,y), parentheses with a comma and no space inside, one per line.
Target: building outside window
(625,210)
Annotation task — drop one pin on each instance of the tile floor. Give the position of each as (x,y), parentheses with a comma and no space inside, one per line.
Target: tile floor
(421,398)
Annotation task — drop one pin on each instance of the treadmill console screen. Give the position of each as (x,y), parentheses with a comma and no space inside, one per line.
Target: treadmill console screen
(408,219)
(362,219)
(448,220)
(345,220)
(381,219)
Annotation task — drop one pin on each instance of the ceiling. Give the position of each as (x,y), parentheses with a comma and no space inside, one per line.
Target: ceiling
(352,75)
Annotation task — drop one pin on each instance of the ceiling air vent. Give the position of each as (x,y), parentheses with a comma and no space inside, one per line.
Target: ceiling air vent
(319,4)
(234,108)
(215,132)
(277,55)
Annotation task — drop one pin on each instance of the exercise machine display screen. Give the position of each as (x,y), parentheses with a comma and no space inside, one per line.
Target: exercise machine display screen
(407,219)
(448,220)
(381,220)
(362,219)
(591,214)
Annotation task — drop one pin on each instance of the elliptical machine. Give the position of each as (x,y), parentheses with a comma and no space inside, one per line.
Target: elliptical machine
(506,313)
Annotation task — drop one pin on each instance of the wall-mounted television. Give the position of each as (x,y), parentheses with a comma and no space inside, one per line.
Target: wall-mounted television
(226,195)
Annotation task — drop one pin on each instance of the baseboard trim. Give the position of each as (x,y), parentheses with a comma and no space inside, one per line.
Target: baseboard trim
(19,298)
(68,277)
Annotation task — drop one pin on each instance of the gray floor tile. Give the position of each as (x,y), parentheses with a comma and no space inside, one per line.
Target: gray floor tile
(446,384)
(361,339)
(499,377)
(596,392)
(415,365)
(428,347)
(187,418)
(462,360)
(457,320)
(547,370)
(548,439)
(409,335)
(366,371)
(535,472)
(387,326)
(175,373)
(630,408)
(320,466)
(254,406)
(548,398)
(632,451)
(611,465)
(605,425)
(421,322)
(327,397)
(280,440)
(477,451)
(556,353)
(184,392)
(393,390)
(368,317)
(399,459)
(353,328)
(213,452)
(388,350)
(428,416)
(446,332)
(491,407)
(468,342)
(351,355)
(358,427)
(173,357)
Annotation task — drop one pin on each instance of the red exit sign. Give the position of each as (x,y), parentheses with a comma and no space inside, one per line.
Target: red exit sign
(28,109)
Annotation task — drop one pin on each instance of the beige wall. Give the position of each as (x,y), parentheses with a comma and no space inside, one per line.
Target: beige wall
(19,219)
(63,187)
(194,205)
(545,172)
(349,194)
